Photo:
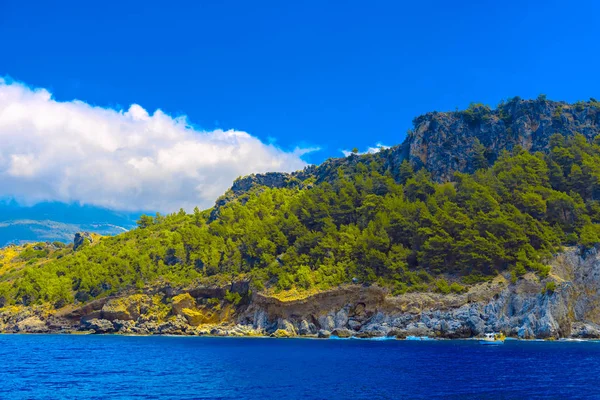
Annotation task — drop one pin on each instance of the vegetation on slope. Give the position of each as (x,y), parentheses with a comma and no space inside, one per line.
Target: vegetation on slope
(409,234)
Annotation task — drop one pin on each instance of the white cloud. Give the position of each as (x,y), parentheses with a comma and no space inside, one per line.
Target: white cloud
(120,159)
(371,150)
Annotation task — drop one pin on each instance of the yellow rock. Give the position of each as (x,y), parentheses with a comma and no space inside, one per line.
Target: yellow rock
(196,317)
(280,333)
(126,308)
(182,301)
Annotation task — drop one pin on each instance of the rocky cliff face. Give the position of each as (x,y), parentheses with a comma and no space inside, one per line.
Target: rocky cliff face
(528,308)
(445,142)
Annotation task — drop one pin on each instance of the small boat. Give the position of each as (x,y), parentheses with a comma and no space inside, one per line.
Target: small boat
(493,339)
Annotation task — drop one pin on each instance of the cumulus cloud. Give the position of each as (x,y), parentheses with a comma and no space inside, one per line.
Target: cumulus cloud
(120,159)
(371,150)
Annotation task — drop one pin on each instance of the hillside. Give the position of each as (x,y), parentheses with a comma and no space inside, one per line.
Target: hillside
(381,221)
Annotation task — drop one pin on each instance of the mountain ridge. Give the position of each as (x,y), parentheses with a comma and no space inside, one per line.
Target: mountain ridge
(451,141)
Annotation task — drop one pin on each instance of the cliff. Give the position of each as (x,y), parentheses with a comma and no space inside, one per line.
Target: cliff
(567,304)
(457,141)
(445,142)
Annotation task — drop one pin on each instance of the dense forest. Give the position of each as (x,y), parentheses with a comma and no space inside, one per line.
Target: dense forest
(407,233)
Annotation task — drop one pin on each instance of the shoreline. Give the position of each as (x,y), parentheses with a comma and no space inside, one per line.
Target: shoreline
(331,338)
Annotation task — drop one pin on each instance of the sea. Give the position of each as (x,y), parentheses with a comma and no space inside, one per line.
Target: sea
(162,367)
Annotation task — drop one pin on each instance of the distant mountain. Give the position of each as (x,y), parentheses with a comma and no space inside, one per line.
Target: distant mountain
(54,221)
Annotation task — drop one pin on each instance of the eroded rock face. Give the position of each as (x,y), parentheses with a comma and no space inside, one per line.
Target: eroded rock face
(323,334)
(523,309)
(126,308)
(445,142)
(32,324)
(99,325)
(343,333)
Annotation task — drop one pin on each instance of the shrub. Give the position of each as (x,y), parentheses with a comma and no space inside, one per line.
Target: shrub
(549,288)
(572,239)
(457,288)
(557,112)
(233,297)
(442,286)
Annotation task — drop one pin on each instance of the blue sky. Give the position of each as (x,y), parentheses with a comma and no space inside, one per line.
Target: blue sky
(328,74)
(334,74)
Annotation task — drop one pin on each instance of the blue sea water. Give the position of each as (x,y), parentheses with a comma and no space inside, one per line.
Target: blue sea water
(119,367)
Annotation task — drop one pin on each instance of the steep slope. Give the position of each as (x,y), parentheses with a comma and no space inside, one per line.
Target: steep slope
(458,141)
(454,141)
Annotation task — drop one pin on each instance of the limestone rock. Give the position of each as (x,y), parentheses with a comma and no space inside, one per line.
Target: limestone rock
(281,333)
(326,322)
(304,328)
(585,331)
(342,333)
(175,326)
(260,319)
(323,334)
(128,308)
(182,301)
(287,326)
(354,324)
(341,318)
(397,333)
(32,324)
(99,325)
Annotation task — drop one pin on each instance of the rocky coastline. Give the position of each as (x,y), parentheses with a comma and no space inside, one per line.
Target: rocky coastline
(530,308)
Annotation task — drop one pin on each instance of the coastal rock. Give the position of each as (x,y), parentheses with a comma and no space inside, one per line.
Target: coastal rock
(418,329)
(377,326)
(260,319)
(283,325)
(182,301)
(123,326)
(397,333)
(128,308)
(244,330)
(326,322)
(342,333)
(218,332)
(147,327)
(323,334)
(585,331)
(32,324)
(304,328)
(354,324)
(281,333)
(175,326)
(341,318)
(99,325)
